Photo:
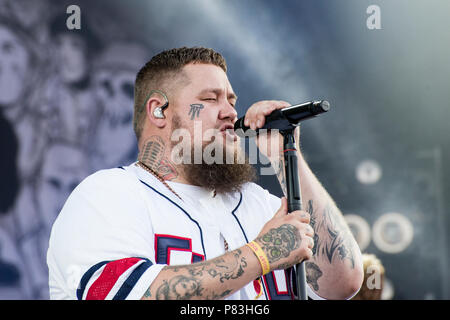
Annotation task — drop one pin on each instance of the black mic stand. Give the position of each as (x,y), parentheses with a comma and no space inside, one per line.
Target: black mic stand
(294,195)
(286,120)
(294,198)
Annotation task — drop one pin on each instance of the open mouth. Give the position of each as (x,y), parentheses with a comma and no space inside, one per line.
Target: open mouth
(228,130)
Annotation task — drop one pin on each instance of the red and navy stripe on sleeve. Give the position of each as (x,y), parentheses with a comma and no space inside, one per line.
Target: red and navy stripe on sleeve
(112,279)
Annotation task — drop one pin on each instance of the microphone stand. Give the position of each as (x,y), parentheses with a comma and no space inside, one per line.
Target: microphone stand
(294,198)
(286,120)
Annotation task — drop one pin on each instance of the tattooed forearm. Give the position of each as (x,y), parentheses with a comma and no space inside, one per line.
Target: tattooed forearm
(312,222)
(152,154)
(179,288)
(279,242)
(281,175)
(339,244)
(337,268)
(194,281)
(331,236)
(219,267)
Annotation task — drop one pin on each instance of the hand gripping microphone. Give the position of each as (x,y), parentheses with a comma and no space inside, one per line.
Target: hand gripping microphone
(286,118)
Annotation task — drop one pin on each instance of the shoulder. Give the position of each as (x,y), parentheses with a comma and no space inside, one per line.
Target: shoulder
(105,205)
(108,184)
(107,177)
(254,190)
(104,219)
(105,195)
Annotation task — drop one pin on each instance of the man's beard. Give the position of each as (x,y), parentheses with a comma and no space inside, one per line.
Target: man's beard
(220,176)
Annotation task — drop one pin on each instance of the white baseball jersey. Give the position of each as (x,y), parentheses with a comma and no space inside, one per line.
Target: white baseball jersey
(121,226)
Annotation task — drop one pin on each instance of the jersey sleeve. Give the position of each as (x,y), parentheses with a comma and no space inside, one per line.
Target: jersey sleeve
(101,245)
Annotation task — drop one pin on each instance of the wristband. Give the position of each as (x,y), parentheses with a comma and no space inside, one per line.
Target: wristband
(260,254)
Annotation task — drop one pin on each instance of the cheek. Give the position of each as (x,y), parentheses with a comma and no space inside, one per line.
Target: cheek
(196,111)
(201,123)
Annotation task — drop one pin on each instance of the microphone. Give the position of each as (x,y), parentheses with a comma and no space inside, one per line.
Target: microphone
(286,118)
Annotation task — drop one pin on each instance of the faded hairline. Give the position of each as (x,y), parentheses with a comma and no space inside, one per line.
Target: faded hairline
(165,72)
(170,84)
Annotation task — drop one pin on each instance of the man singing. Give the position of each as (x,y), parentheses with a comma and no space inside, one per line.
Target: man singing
(174,225)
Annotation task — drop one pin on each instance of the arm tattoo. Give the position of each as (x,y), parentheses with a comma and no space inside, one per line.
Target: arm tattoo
(189,283)
(313,273)
(281,175)
(339,243)
(179,288)
(218,267)
(279,242)
(312,222)
(152,155)
(331,238)
(147,294)
(195,110)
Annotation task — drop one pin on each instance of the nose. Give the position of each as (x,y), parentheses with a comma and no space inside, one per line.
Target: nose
(228,112)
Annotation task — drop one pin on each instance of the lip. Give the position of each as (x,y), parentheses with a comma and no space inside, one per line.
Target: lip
(227,126)
(228,129)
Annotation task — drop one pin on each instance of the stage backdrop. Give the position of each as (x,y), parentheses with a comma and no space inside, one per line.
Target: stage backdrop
(67,70)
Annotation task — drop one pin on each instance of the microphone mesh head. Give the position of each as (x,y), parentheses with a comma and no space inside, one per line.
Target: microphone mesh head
(325,105)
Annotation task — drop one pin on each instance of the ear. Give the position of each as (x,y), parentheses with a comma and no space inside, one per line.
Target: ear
(153,103)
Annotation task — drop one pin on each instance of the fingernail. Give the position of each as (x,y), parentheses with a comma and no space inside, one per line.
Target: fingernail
(258,123)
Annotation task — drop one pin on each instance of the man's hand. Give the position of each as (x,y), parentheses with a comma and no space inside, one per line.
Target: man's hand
(255,115)
(287,239)
(270,144)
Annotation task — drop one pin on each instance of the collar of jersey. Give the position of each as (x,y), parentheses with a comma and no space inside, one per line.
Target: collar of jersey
(152,181)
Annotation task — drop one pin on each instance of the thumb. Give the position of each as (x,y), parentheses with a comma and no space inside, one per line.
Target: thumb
(283,209)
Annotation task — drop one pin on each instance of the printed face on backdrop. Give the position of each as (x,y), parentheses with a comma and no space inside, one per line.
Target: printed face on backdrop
(72,62)
(14,65)
(63,169)
(114,135)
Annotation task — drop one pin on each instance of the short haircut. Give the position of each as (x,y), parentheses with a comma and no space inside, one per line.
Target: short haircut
(163,71)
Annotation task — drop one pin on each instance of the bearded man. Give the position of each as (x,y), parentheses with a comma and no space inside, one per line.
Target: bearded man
(176,225)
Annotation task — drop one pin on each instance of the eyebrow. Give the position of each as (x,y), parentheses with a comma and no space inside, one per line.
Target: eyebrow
(218,91)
